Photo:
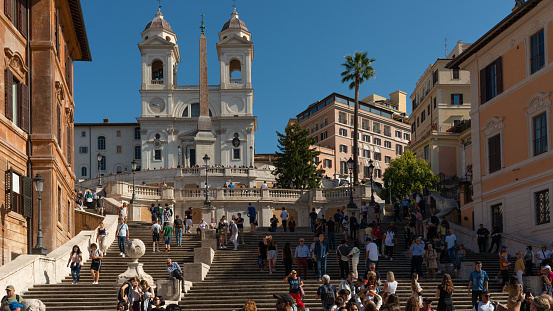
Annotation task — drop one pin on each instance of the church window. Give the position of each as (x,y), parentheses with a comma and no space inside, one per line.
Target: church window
(195,110)
(185,112)
(235,68)
(101,143)
(157,155)
(168,38)
(157,72)
(236,154)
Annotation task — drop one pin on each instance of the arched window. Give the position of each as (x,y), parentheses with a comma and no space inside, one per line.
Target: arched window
(185,112)
(195,111)
(157,72)
(101,143)
(119,169)
(84,172)
(235,69)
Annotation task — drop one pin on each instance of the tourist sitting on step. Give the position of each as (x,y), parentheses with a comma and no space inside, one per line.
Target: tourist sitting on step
(202,226)
(174,269)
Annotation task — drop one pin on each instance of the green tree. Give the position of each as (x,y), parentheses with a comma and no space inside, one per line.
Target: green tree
(295,163)
(408,174)
(357,70)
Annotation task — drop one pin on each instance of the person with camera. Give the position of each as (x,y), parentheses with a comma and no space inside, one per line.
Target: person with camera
(417,249)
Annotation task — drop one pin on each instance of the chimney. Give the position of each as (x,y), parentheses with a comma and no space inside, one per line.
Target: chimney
(106,120)
(400,99)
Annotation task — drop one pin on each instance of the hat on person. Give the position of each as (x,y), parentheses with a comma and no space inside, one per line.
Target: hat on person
(285,297)
(10,287)
(503,246)
(14,305)
(547,267)
(427,300)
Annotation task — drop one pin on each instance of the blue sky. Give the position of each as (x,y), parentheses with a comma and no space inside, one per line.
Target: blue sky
(298,48)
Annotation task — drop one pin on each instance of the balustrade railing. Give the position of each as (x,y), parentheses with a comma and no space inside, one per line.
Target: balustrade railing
(235,80)
(242,193)
(195,87)
(285,193)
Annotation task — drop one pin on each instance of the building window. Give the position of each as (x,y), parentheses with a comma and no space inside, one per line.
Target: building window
(119,169)
(195,110)
(377,173)
(456,73)
(428,109)
(102,164)
(376,127)
(365,124)
(377,156)
(157,155)
(435,77)
(84,172)
(118,133)
(157,72)
(377,141)
(406,136)
(399,149)
(398,134)
(328,163)
(366,138)
(491,81)
(342,118)
(343,168)
(236,154)
(367,153)
(388,144)
(367,172)
(83,134)
(324,122)
(343,132)
(423,116)
(387,159)
(497,216)
(60,209)
(118,149)
(543,212)
(343,148)
(494,153)
(387,131)
(540,134)
(83,150)
(537,60)
(434,102)
(69,216)
(137,153)
(426,153)
(323,135)
(101,143)
(136,133)
(456,99)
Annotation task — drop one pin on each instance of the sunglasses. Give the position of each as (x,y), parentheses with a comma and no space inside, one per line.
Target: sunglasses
(488,296)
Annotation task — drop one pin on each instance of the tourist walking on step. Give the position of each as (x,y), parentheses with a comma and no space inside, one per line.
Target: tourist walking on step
(240,226)
(405,207)
(225,229)
(153,211)
(101,237)
(513,288)
(284,218)
(397,210)
(174,269)
(478,282)
(390,285)
(519,267)
(123,212)
(100,205)
(444,292)
(331,233)
(262,254)
(88,197)
(167,214)
(337,221)
(160,214)
(177,228)
(156,229)
(296,286)
(419,217)
(233,234)
(272,252)
(96,255)
(287,258)
(302,255)
(496,239)
(529,261)
(122,235)
(147,294)
(364,210)
(353,226)
(354,254)
(430,257)
(10,297)
(321,253)
(416,289)
(450,243)
(377,211)
(292,224)
(417,249)
(189,223)
(371,254)
(167,232)
(274,224)
(251,213)
(343,260)
(504,266)
(377,236)
(482,234)
(389,242)
(313,218)
(221,232)
(345,226)
(327,293)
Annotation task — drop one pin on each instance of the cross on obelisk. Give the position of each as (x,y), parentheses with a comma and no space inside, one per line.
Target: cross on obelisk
(202,27)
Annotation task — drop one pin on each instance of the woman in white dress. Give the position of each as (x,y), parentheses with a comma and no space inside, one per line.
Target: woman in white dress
(354,254)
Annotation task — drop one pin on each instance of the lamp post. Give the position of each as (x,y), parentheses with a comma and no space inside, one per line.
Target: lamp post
(99,157)
(39,249)
(390,189)
(351,204)
(206,202)
(371,169)
(133,166)
(179,151)
(251,154)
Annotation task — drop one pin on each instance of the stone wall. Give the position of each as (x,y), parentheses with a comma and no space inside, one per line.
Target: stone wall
(86,221)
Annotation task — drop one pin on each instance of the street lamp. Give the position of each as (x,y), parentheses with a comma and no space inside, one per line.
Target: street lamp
(371,169)
(179,151)
(39,249)
(207,202)
(351,204)
(133,166)
(251,153)
(99,157)
(390,189)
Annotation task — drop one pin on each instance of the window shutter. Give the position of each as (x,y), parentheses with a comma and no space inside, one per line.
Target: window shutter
(69,145)
(27,197)
(499,68)
(8,9)
(460,99)
(483,86)
(452,99)
(9,94)
(24,102)
(23,17)
(9,193)
(59,124)
(494,153)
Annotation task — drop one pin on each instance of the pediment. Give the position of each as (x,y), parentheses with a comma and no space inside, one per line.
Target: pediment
(234,39)
(155,40)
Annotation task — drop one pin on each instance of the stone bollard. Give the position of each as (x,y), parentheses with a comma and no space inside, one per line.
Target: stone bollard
(194,272)
(170,289)
(33,305)
(533,283)
(204,255)
(209,238)
(466,269)
(134,249)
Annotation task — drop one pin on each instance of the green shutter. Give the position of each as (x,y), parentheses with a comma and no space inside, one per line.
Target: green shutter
(27,194)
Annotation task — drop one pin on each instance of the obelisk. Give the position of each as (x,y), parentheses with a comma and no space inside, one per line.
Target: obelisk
(204,140)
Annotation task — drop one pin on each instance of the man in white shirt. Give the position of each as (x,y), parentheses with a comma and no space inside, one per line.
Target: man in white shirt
(284,217)
(487,304)
(264,185)
(349,284)
(451,242)
(301,254)
(372,254)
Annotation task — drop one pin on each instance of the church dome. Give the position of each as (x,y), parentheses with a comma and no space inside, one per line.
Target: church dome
(158,23)
(235,23)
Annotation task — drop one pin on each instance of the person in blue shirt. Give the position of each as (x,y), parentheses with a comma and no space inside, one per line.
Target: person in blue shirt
(478,282)
(174,269)
(321,253)
(417,248)
(251,214)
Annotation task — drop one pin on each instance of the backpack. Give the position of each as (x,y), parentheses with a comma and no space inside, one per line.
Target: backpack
(127,291)
(156,230)
(5,299)
(328,295)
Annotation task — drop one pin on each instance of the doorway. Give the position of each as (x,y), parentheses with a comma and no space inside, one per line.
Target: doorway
(192,157)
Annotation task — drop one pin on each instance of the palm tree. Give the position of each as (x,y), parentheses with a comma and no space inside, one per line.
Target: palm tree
(357,70)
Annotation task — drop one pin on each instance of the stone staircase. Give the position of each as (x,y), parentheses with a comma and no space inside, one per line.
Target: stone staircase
(86,296)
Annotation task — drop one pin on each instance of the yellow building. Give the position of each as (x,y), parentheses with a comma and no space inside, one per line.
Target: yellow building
(440,111)
(512,159)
